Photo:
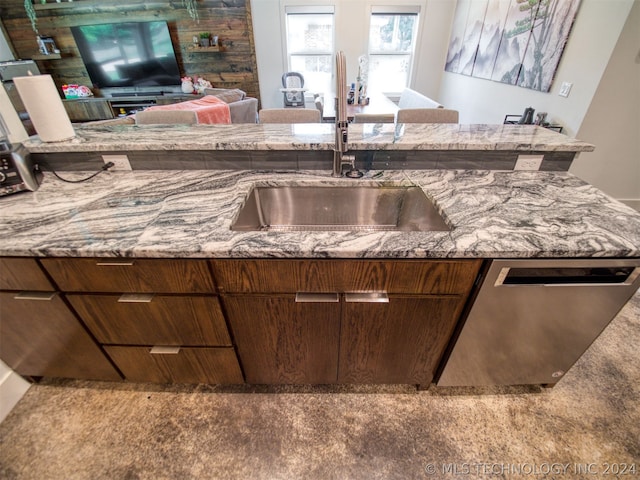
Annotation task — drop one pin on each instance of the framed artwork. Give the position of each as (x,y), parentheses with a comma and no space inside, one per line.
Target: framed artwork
(518,42)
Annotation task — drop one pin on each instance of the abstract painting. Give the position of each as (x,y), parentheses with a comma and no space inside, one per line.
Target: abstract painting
(519,42)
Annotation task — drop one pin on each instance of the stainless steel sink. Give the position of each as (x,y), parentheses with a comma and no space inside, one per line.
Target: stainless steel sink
(368,208)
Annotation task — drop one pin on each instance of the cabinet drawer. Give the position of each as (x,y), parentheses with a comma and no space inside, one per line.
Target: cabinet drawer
(39,336)
(189,365)
(392,276)
(130,275)
(156,320)
(23,274)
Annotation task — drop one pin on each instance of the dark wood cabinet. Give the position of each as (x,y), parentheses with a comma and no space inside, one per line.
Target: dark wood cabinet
(23,274)
(281,341)
(352,340)
(131,275)
(291,321)
(396,342)
(393,276)
(84,110)
(153,319)
(181,365)
(39,336)
(165,324)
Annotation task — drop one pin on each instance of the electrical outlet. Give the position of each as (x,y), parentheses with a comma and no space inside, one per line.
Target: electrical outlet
(565,88)
(528,162)
(120,162)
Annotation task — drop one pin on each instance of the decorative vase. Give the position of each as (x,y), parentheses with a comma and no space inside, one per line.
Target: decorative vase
(204,42)
(187,87)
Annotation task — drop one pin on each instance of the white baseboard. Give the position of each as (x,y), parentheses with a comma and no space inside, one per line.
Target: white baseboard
(12,388)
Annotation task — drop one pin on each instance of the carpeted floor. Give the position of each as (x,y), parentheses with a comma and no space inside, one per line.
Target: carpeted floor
(588,426)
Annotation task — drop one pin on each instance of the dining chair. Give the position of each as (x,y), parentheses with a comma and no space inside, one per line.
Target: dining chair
(427,115)
(289,115)
(319,102)
(167,117)
(374,118)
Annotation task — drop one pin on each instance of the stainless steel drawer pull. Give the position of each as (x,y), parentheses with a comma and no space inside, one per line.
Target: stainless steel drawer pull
(114,263)
(45,296)
(135,298)
(310,297)
(164,350)
(366,297)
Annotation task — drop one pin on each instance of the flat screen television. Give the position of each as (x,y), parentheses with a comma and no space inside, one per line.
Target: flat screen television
(129,54)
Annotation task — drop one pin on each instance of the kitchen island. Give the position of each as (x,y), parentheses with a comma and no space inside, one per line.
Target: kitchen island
(132,252)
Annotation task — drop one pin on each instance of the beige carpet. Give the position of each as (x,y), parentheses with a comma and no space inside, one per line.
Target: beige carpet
(586,427)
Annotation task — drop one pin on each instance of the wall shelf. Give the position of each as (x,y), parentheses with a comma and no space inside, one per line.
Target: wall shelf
(199,49)
(51,56)
(50,5)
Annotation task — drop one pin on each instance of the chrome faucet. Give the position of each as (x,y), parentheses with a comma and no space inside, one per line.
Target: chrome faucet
(340,157)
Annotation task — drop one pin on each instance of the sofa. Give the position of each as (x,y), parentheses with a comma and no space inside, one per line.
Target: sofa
(243,109)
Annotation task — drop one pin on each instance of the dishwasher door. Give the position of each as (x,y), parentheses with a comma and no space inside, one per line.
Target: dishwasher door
(532,319)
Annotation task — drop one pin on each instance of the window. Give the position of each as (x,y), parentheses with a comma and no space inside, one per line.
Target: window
(310,33)
(392,39)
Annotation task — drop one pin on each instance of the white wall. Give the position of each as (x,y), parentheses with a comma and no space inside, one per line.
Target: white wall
(5,50)
(593,38)
(612,122)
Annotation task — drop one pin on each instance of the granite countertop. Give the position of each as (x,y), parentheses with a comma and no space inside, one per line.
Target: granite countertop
(318,136)
(188,214)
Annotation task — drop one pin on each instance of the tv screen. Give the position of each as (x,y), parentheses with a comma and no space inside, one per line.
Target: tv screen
(131,54)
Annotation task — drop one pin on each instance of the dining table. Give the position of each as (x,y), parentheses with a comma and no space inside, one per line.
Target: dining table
(378,103)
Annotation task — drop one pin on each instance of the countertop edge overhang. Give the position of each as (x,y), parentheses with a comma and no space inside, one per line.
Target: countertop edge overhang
(187,214)
(320,136)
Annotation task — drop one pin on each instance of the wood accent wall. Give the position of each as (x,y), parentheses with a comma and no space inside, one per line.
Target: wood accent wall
(233,67)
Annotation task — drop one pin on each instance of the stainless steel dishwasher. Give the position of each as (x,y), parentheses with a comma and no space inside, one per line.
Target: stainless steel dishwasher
(532,319)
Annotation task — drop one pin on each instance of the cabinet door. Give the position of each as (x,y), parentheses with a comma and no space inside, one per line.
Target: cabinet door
(153,320)
(281,341)
(39,336)
(397,342)
(183,365)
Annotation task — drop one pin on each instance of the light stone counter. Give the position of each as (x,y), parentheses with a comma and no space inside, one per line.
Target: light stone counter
(188,214)
(318,136)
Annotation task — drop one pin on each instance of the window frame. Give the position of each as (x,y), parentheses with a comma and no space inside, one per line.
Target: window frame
(408,9)
(307,9)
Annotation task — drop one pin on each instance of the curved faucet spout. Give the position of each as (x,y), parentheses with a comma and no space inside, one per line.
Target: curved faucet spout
(342,123)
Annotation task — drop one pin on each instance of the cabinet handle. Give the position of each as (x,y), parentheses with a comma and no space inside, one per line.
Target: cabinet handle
(309,297)
(136,298)
(164,350)
(114,263)
(45,296)
(366,297)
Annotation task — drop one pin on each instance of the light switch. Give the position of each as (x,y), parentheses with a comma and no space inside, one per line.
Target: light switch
(565,88)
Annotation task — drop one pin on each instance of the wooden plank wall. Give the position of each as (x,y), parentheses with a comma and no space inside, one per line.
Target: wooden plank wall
(233,67)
